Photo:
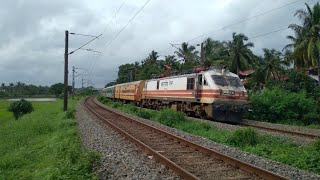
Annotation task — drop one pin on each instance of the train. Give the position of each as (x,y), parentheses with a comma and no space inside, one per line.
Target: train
(215,94)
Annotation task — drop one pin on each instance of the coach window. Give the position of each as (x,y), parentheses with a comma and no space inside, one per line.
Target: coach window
(190,83)
(200,79)
(158,85)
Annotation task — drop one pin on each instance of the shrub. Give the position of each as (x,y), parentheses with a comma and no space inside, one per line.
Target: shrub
(144,114)
(278,105)
(70,114)
(116,105)
(103,99)
(19,108)
(316,145)
(243,137)
(132,108)
(170,117)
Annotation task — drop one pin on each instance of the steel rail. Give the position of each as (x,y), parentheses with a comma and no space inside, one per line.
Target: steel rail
(182,172)
(312,136)
(185,174)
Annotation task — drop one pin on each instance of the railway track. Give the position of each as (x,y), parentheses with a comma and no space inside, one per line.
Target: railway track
(189,160)
(282,131)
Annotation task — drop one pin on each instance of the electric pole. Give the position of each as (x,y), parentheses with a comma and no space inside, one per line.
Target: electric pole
(73,82)
(66,54)
(82,82)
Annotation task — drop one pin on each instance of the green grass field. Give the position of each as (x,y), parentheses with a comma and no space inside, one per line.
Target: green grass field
(42,145)
(283,150)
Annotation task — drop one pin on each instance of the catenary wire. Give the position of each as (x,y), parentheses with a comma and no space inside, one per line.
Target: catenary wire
(245,20)
(94,63)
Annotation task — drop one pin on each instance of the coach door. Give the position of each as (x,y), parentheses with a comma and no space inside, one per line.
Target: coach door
(191,85)
(199,84)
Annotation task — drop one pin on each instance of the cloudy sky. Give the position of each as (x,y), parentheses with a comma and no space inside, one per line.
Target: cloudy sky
(32,32)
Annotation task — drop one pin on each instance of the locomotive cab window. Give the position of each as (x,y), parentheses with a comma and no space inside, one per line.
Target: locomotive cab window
(205,82)
(200,79)
(219,80)
(158,85)
(190,83)
(233,81)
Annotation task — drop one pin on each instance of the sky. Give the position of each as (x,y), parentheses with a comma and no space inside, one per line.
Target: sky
(33,33)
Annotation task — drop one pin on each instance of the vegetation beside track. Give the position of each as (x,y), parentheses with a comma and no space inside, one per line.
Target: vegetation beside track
(279,149)
(44,144)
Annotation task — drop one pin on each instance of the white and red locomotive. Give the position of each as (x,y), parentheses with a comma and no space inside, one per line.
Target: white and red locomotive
(216,94)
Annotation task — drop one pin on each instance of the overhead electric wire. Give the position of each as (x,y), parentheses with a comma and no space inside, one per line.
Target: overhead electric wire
(271,32)
(122,30)
(97,37)
(115,14)
(128,23)
(242,21)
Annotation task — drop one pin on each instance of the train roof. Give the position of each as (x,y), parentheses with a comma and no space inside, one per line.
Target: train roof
(210,72)
(128,83)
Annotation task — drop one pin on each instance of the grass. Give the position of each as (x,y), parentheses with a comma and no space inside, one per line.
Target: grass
(279,149)
(44,144)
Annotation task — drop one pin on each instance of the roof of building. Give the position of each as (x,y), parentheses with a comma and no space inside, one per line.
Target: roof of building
(246,72)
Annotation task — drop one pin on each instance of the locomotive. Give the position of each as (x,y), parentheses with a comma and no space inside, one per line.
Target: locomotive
(215,94)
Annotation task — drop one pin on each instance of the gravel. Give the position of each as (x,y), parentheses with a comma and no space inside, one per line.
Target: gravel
(279,168)
(120,159)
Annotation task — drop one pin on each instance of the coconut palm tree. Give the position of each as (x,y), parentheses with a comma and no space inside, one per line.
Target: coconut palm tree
(215,52)
(310,29)
(299,57)
(240,55)
(273,64)
(187,53)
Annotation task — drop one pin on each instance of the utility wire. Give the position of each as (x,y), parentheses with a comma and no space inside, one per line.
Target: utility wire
(97,37)
(108,24)
(115,14)
(128,23)
(121,31)
(271,32)
(242,21)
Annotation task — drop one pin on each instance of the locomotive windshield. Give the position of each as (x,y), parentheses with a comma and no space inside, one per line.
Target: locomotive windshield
(233,81)
(219,80)
(226,80)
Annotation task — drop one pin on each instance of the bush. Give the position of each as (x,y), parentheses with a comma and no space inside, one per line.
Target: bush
(278,105)
(19,108)
(132,108)
(144,114)
(116,105)
(70,114)
(171,118)
(243,137)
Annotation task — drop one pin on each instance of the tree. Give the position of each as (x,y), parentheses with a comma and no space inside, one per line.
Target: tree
(272,65)
(187,53)
(110,84)
(239,53)
(215,52)
(19,108)
(151,66)
(310,42)
(58,88)
(300,57)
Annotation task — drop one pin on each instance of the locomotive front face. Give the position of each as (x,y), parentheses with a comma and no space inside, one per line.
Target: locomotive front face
(229,100)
